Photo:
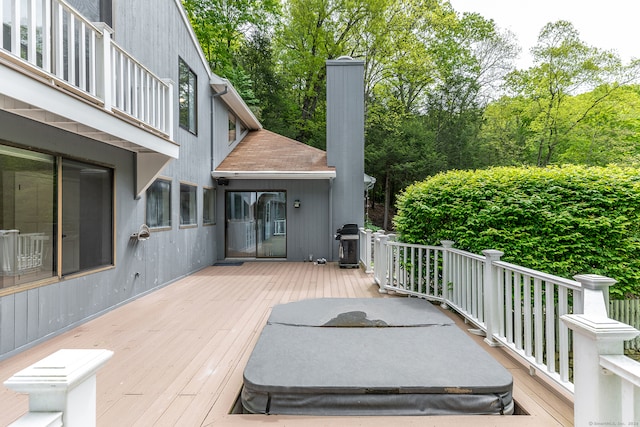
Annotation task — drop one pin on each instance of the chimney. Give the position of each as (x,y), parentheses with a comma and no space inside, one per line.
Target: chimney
(345,140)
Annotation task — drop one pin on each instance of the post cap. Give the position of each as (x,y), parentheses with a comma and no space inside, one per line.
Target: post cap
(62,370)
(595,281)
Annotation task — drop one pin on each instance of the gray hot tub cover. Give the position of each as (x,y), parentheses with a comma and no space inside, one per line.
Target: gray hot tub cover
(391,356)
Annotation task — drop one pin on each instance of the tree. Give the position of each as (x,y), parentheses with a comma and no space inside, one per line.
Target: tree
(565,66)
(505,131)
(609,134)
(473,57)
(275,109)
(400,149)
(221,25)
(313,32)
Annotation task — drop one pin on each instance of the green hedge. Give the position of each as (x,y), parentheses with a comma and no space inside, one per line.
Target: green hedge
(561,220)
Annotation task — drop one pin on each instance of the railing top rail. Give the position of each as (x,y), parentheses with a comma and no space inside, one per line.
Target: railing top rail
(568,283)
(622,366)
(78,16)
(138,63)
(414,245)
(467,254)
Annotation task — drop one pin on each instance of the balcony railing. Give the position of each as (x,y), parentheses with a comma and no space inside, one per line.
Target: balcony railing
(52,39)
(553,324)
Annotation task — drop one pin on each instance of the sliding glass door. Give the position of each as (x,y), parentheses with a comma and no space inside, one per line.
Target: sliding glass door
(256,224)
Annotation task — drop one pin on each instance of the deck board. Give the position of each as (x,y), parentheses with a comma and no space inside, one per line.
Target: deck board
(180,352)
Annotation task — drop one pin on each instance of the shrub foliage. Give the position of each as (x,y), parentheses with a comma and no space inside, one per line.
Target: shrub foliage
(561,220)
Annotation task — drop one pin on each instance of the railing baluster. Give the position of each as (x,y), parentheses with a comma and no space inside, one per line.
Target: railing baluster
(71,49)
(538,320)
(2,26)
(528,317)
(15,29)
(550,318)
(412,252)
(428,283)
(91,84)
(473,293)
(480,291)
(156,110)
(82,58)
(136,91)
(458,279)
(120,81)
(501,301)
(563,335)
(127,98)
(468,273)
(420,277)
(46,36)
(32,27)
(517,294)
(58,41)
(508,305)
(147,99)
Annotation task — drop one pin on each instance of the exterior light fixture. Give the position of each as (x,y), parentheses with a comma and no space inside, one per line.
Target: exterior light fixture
(296,204)
(143,233)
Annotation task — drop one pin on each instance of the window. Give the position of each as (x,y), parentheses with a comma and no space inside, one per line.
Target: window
(36,231)
(87,216)
(188,205)
(159,204)
(232,128)
(187,97)
(94,10)
(209,206)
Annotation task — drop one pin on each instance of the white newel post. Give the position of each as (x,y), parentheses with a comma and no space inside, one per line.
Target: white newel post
(597,394)
(63,382)
(490,297)
(446,270)
(383,264)
(367,250)
(168,106)
(105,76)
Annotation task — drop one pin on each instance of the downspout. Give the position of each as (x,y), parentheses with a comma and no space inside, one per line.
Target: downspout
(211,119)
(331,236)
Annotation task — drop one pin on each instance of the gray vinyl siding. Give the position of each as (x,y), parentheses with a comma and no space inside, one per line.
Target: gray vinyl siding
(308,229)
(222,148)
(154,33)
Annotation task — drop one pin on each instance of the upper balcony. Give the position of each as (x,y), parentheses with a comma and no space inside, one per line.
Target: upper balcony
(54,63)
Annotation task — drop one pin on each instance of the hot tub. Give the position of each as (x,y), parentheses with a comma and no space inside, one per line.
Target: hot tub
(386,356)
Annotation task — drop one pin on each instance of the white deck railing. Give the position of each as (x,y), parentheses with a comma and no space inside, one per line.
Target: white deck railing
(535,315)
(50,36)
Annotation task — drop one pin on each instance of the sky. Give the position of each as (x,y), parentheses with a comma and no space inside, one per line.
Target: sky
(605,24)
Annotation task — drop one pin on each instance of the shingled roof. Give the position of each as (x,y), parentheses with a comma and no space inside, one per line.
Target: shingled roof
(264,154)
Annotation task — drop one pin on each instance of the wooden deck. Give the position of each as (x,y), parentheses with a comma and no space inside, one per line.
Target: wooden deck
(180,352)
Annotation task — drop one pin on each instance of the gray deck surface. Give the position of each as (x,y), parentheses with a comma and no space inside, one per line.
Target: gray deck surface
(368,356)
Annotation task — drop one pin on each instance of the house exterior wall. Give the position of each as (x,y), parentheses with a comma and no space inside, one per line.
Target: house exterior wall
(308,227)
(222,147)
(154,32)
